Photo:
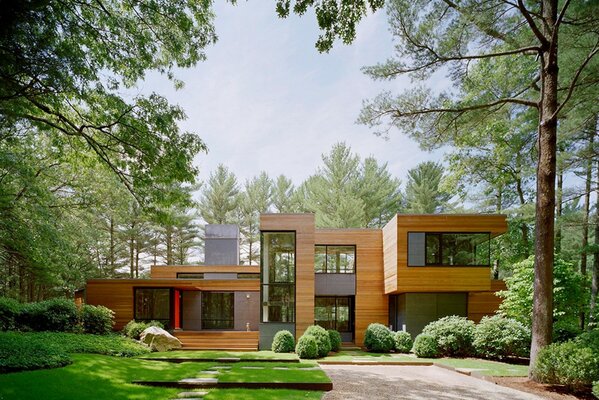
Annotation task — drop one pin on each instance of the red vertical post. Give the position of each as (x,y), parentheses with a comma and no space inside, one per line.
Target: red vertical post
(177,309)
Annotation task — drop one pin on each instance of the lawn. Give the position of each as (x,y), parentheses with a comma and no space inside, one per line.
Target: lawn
(210,354)
(94,376)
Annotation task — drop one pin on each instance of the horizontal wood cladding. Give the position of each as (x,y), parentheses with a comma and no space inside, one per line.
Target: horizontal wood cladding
(485,303)
(170,271)
(371,302)
(117,294)
(400,278)
(304,227)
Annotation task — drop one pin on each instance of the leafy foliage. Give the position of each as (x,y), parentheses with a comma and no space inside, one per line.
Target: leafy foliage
(283,342)
(307,347)
(97,320)
(134,329)
(57,315)
(424,194)
(322,339)
(596,389)
(454,335)
(569,363)
(425,346)
(9,312)
(403,342)
(378,338)
(499,337)
(335,338)
(569,297)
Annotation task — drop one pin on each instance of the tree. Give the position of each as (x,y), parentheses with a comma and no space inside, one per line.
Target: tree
(219,197)
(476,34)
(256,199)
(423,190)
(283,195)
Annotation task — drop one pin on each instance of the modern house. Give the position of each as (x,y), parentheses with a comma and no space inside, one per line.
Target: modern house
(416,269)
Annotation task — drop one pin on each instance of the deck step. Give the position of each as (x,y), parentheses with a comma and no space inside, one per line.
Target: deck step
(218,340)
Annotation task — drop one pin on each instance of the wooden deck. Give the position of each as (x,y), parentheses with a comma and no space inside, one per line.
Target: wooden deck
(218,340)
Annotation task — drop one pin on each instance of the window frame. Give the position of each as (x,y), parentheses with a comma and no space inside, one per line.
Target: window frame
(440,255)
(326,258)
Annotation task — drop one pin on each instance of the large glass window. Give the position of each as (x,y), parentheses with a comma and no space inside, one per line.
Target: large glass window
(278,276)
(460,249)
(335,259)
(218,310)
(333,313)
(153,304)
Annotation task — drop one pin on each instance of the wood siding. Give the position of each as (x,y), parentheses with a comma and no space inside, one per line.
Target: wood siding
(485,303)
(170,272)
(304,227)
(400,278)
(117,294)
(371,303)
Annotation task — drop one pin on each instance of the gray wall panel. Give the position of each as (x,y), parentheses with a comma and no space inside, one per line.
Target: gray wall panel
(221,245)
(247,310)
(335,284)
(269,330)
(416,249)
(192,310)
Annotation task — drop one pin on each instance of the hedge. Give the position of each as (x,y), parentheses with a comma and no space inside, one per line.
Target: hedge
(570,364)
(307,347)
(335,339)
(283,342)
(322,339)
(454,335)
(426,346)
(378,338)
(498,337)
(403,342)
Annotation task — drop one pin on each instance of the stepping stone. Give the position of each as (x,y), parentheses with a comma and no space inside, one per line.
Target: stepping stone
(228,359)
(220,367)
(281,368)
(248,367)
(199,380)
(191,395)
(209,372)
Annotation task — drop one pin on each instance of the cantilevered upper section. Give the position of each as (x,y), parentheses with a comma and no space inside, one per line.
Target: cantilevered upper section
(439,252)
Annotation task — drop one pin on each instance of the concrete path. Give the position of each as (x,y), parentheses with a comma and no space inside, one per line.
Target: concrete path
(358,382)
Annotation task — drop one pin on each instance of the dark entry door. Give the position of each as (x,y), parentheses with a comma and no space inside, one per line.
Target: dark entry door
(336,312)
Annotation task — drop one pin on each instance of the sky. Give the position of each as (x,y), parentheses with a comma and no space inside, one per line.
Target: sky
(266,100)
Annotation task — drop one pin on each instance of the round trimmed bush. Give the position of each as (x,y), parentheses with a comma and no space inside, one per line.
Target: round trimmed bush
(499,337)
(322,339)
(9,313)
(98,320)
(378,338)
(403,342)
(568,364)
(335,339)
(425,346)
(454,335)
(307,347)
(283,342)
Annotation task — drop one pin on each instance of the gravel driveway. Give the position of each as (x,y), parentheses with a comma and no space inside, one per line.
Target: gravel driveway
(373,382)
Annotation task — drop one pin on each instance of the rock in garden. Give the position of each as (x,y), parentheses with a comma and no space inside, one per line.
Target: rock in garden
(159,340)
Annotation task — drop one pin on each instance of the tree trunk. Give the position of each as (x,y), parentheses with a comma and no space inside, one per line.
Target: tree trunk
(595,272)
(523,226)
(169,245)
(542,321)
(131,256)
(111,261)
(586,209)
(558,210)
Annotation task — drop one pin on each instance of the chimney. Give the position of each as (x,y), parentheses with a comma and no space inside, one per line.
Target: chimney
(221,245)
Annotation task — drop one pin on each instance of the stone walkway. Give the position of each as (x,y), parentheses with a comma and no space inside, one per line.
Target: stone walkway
(358,382)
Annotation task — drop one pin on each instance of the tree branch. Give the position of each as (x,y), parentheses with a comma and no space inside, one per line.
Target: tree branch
(542,39)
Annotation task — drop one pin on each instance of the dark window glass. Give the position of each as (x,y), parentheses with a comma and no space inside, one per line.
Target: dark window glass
(190,275)
(333,313)
(335,259)
(217,310)
(459,249)
(152,304)
(278,276)
(246,275)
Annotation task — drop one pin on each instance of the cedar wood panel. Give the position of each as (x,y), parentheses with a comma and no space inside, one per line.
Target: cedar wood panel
(304,227)
(371,302)
(117,294)
(401,278)
(170,272)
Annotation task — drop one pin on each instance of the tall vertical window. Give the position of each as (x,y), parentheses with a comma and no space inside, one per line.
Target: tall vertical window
(278,276)
(152,304)
(335,259)
(217,310)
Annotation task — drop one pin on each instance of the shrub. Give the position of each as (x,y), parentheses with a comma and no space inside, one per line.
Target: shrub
(133,329)
(589,339)
(335,339)
(425,346)
(9,312)
(322,339)
(307,347)
(29,318)
(97,320)
(403,341)
(378,338)
(283,342)
(500,337)
(596,389)
(55,315)
(454,335)
(569,364)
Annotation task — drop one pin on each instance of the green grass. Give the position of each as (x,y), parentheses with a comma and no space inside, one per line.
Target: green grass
(210,354)
(93,376)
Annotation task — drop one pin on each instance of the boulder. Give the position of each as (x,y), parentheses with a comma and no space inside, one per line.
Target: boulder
(159,340)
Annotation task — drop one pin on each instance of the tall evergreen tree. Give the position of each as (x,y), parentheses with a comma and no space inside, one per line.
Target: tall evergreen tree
(424,194)
(219,197)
